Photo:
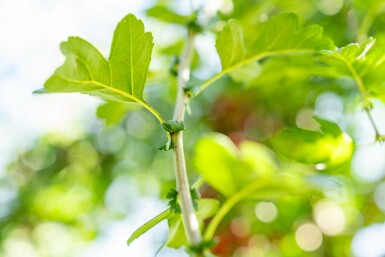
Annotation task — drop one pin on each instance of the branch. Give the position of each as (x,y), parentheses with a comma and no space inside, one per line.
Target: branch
(190,220)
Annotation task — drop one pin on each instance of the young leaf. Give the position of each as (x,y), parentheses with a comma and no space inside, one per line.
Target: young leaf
(148,225)
(172,195)
(329,146)
(122,78)
(173,126)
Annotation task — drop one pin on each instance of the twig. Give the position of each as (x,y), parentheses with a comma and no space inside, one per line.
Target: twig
(190,220)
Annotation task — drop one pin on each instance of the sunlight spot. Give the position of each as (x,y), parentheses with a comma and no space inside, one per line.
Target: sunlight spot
(308,237)
(329,217)
(379,196)
(240,227)
(329,7)
(266,212)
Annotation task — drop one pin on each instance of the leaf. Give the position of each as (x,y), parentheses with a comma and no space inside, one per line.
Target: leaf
(228,169)
(112,112)
(148,225)
(311,37)
(173,126)
(176,236)
(122,78)
(173,204)
(130,56)
(277,37)
(215,160)
(165,14)
(344,59)
(276,33)
(364,63)
(280,186)
(329,146)
(282,32)
(259,157)
(229,44)
(169,145)
(206,209)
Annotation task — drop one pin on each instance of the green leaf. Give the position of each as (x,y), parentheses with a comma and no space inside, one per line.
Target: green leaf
(206,209)
(280,186)
(201,247)
(176,236)
(112,112)
(130,56)
(276,33)
(173,126)
(228,169)
(279,36)
(167,146)
(282,32)
(352,56)
(172,195)
(259,157)
(329,146)
(148,225)
(311,37)
(122,78)
(165,14)
(364,63)
(230,45)
(215,160)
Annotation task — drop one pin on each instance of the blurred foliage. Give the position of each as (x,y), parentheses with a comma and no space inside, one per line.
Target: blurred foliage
(277,182)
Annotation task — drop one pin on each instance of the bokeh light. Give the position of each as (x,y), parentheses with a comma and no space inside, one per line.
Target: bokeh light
(308,236)
(330,217)
(266,211)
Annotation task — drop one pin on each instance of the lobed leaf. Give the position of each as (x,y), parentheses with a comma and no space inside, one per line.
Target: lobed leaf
(281,32)
(364,63)
(279,36)
(121,79)
(344,59)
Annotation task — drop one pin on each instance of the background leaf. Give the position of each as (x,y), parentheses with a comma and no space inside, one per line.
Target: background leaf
(329,146)
(112,112)
(164,13)
(228,169)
